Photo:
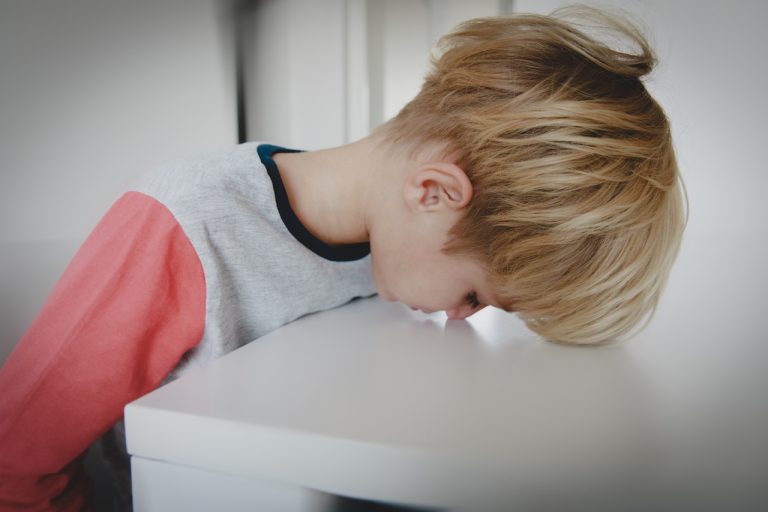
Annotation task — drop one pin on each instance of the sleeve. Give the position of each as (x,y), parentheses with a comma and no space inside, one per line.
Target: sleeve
(128,307)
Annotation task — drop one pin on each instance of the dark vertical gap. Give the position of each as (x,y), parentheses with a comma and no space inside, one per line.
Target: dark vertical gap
(507,7)
(243,10)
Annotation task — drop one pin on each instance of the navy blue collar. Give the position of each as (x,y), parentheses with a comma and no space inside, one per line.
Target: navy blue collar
(348,252)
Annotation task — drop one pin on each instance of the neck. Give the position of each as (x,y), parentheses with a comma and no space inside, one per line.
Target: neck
(330,189)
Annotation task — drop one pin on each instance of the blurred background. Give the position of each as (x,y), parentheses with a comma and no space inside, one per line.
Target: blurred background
(93,93)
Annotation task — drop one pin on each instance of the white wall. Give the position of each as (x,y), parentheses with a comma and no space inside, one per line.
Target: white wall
(295,73)
(401,34)
(325,72)
(93,93)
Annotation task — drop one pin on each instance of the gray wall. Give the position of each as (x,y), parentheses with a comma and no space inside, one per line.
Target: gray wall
(93,93)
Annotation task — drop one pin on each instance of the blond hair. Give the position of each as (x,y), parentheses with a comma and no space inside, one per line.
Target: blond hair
(578,207)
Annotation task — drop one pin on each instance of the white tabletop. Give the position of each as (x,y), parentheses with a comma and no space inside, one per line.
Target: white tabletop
(376,401)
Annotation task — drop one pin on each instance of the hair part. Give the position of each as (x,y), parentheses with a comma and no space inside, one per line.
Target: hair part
(578,206)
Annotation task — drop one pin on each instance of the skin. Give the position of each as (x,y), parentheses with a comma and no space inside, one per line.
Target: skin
(404,206)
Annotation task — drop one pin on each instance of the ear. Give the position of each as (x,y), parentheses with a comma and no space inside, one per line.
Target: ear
(437,185)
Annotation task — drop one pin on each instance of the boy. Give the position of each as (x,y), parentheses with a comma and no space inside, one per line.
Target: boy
(533,172)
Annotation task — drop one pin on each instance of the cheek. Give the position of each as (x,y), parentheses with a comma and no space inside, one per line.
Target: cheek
(418,278)
(436,291)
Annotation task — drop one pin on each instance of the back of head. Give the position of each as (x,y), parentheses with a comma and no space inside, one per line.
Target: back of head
(578,207)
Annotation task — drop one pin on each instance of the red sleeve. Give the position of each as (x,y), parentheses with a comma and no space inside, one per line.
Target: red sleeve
(129,305)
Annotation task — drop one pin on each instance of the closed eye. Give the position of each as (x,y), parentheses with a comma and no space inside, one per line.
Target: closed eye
(471,299)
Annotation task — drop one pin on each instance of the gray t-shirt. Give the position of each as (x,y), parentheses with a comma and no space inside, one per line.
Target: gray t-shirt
(262,268)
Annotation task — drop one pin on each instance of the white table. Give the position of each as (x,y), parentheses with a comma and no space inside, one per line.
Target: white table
(375,401)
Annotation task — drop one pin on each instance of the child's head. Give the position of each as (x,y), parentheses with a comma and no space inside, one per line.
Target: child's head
(577,207)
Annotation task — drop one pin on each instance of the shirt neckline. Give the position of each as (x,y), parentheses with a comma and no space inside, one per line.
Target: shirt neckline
(346,252)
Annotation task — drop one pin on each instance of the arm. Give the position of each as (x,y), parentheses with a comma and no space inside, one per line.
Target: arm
(127,308)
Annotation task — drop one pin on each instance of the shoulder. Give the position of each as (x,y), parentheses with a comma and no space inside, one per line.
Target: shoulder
(202,177)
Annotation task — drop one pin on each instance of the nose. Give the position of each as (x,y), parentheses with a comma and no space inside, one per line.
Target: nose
(462,312)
